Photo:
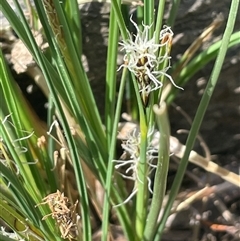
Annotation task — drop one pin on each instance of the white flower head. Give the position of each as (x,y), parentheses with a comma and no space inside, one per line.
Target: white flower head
(142,58)
(131,147)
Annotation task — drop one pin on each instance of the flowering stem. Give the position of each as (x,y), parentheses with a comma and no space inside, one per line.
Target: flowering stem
(149,16)
(161,172)
(159,19)
(142,181)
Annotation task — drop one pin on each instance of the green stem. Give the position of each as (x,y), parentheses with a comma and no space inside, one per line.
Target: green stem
(161,172)
(142,181)
(173,12)
(149,15)
(110,99)
(159,20)
(108,184)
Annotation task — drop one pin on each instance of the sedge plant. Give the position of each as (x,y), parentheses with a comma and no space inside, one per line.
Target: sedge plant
(51,172)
